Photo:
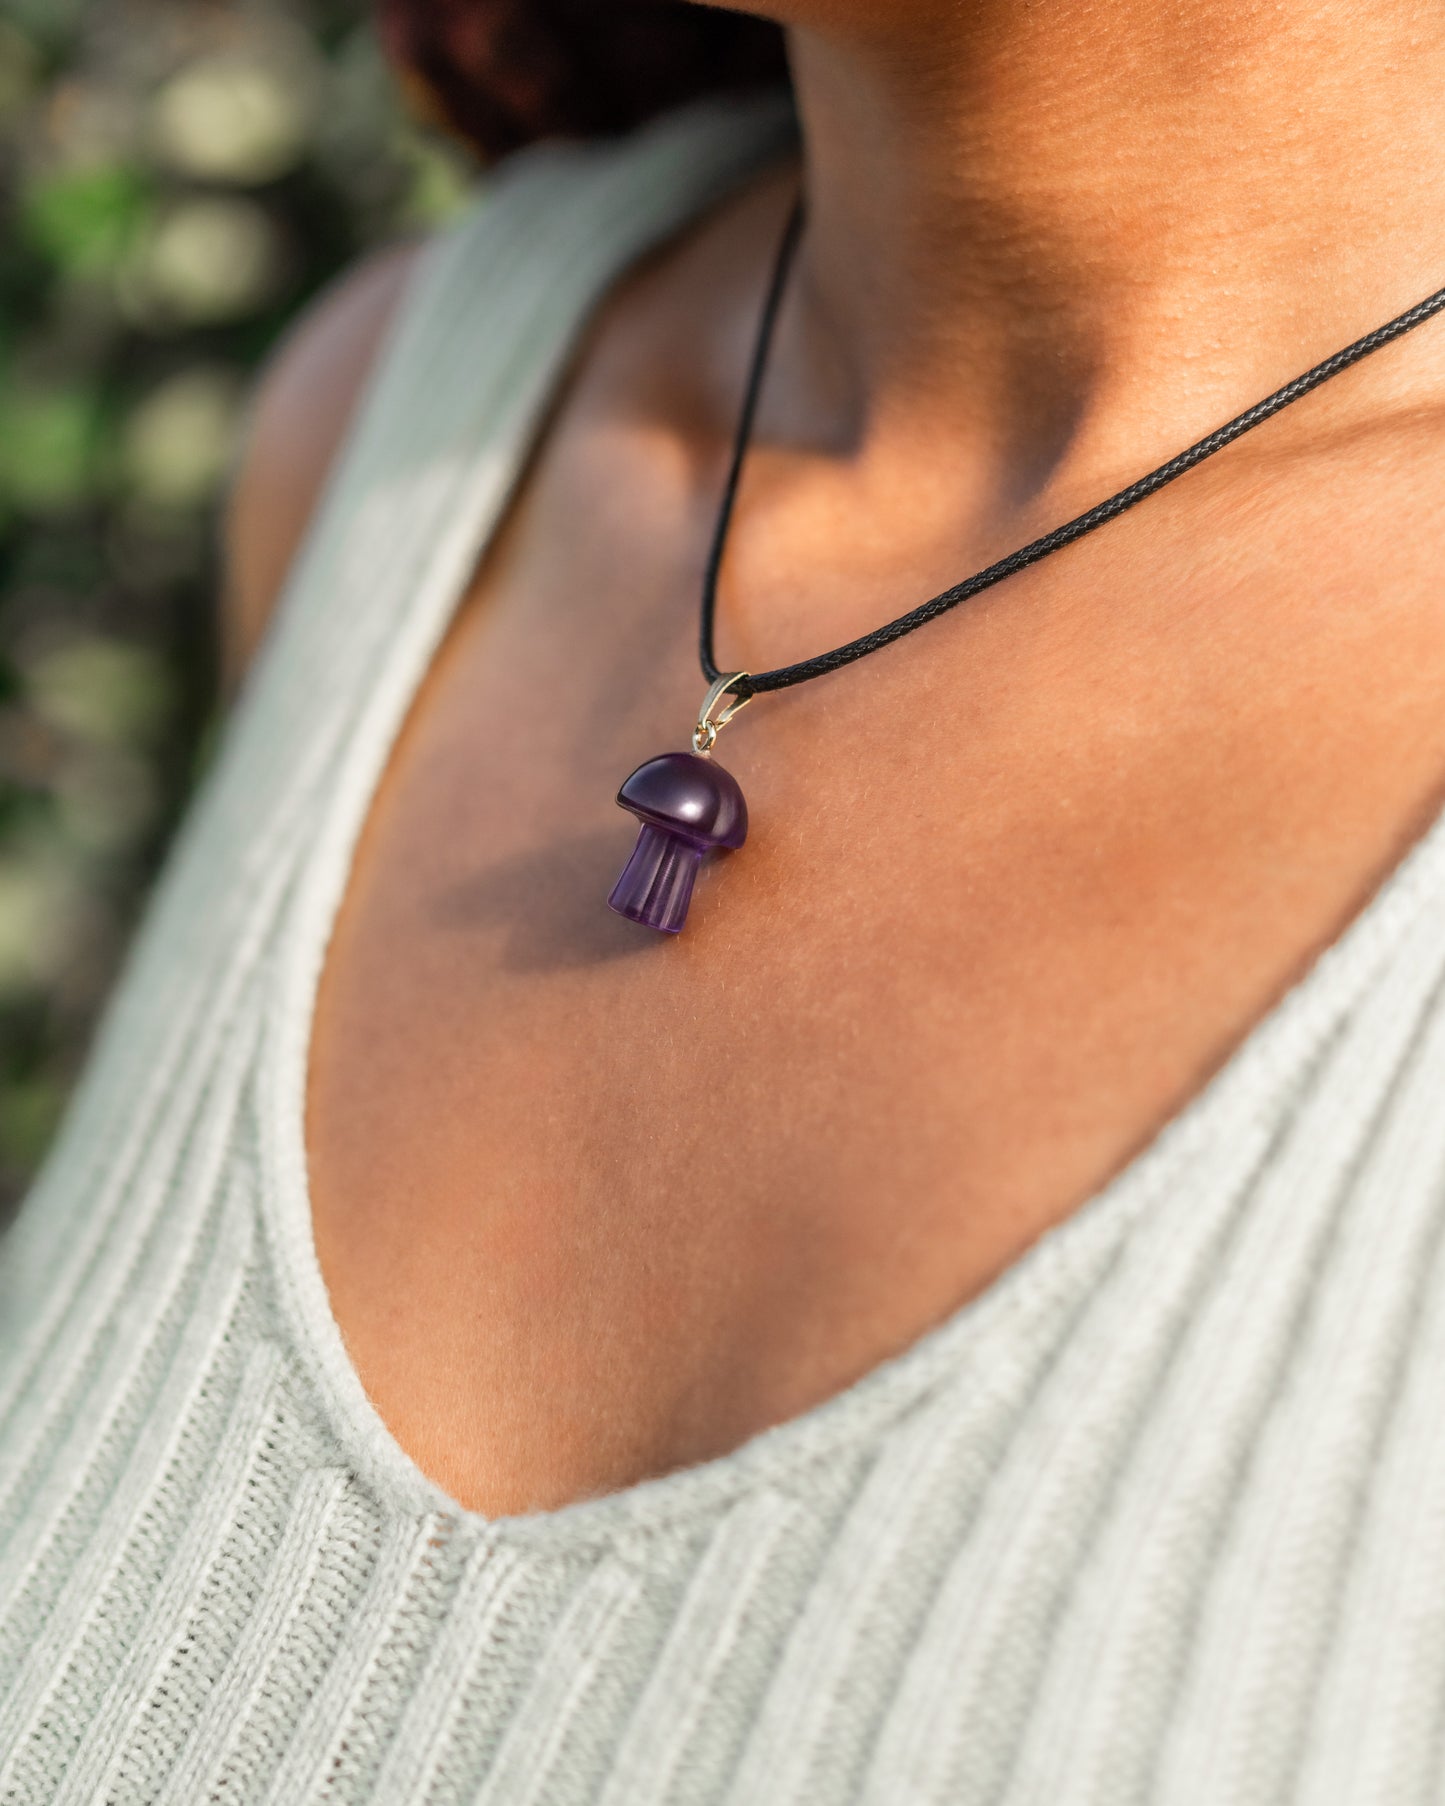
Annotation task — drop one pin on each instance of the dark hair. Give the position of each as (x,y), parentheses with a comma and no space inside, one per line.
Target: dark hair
(506,72)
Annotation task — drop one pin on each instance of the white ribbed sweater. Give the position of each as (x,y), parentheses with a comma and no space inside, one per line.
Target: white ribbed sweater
(1160,1518)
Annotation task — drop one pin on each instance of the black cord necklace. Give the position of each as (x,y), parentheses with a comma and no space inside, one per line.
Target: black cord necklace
(688,805)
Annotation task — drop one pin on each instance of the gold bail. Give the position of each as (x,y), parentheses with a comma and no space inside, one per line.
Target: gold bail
(709,724)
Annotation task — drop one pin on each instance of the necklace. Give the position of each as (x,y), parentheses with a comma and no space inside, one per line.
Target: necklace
(687,804)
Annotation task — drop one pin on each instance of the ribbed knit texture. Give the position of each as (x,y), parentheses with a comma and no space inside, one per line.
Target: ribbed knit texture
(1159,1519)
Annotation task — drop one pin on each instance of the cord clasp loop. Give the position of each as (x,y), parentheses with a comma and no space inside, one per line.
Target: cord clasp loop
(718,708)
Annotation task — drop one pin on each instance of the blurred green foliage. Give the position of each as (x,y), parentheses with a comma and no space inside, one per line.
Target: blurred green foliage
(178,178)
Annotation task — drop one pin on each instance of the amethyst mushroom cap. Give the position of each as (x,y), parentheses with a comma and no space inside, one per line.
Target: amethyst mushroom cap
(687,806)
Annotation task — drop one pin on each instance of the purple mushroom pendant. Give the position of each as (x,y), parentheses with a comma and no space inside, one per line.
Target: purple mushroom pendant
(687,806)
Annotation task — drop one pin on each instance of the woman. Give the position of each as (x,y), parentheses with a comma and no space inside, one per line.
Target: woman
(962,1321)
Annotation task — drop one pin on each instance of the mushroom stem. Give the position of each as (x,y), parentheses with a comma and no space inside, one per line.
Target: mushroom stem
(656,883)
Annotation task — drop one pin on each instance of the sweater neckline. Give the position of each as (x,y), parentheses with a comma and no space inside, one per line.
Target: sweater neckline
(677,168)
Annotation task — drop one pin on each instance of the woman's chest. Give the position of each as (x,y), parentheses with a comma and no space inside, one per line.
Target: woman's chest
(594,1202)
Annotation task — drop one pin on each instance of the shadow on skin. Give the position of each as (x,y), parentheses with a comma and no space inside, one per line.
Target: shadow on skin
(551,905)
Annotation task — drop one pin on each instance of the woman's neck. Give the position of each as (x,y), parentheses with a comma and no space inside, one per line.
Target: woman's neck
(1075,232)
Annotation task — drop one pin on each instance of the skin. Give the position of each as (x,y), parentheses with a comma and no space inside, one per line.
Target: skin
(592,1205)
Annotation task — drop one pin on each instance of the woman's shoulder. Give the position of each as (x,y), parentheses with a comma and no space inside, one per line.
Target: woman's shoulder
(546,215)
(302,407)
